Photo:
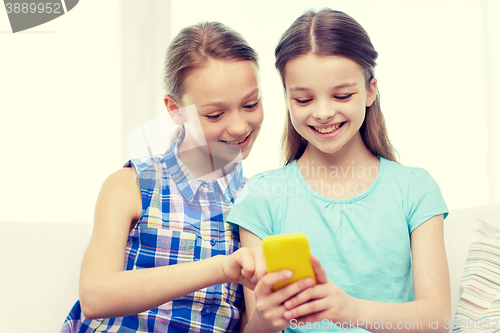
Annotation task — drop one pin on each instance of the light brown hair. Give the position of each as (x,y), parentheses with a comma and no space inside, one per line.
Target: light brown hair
(329,32)
(194,45)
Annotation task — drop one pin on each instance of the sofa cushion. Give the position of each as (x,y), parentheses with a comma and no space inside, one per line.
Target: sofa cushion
(458,230)
(41,264)
(479,305)
(40,269)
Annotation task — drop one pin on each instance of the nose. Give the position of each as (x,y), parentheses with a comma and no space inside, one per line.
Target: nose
(238,124)
(324,112)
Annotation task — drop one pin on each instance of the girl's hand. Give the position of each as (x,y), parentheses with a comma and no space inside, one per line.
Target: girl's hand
(269,308)
(323,301)
(245,266)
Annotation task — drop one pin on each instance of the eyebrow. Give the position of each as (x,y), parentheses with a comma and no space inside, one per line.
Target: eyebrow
(219,103)
(340,86)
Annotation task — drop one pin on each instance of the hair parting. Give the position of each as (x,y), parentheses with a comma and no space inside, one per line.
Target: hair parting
(325,33)
(194,46)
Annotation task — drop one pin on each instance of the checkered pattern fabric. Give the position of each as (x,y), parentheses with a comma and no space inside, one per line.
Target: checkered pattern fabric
(183,220)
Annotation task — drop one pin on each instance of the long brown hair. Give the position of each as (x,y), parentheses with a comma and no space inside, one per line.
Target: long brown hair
(194,45)
(331,32)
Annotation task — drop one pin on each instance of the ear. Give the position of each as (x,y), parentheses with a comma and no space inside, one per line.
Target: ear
(371,93)
(173,110)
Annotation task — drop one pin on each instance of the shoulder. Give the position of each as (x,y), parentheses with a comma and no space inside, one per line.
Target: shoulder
(260,187)
(121,189)
(274,176)
(395,168)
(145,163)
(406,174)
(123,180)
(413,183)
(264,187)
(150,172)
(420,192)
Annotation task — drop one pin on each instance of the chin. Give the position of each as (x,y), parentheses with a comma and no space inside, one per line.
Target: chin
(232,156)
(327,150)
(245,153)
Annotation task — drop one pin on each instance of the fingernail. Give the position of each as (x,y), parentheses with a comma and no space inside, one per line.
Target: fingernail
(288,274)
(310,282)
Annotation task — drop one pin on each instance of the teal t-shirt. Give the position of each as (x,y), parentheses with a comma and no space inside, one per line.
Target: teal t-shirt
(362,242)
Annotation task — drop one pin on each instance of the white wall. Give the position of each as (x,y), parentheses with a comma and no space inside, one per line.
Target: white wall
(64,85)
(60,113)
(491,70)
(145,32)
(431,74)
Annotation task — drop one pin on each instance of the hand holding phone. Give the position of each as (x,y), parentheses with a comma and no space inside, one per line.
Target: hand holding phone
(288,251)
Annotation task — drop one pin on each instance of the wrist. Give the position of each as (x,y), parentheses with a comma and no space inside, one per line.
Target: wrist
(210,269)
(219,262)
(257,326)
(357,310)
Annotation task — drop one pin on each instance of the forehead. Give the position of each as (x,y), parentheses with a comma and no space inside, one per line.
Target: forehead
(221,80)
(311,69)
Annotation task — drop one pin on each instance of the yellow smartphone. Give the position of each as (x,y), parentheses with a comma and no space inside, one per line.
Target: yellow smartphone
(288,251)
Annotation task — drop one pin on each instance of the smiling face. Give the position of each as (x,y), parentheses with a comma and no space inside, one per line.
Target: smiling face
(228,108)
(327,99)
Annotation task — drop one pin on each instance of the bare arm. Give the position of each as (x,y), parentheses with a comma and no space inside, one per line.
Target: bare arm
(106,290)
(431,286)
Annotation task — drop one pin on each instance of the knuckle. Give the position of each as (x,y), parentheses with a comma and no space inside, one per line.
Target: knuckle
(283,292)
(266,282)
(303,283)
(261,306)
(313,307)
(335,308)
(305,295)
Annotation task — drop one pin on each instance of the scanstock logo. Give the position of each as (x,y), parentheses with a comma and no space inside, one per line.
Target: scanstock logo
(26,14)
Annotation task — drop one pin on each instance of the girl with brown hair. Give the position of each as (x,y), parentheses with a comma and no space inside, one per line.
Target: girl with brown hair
(161,257)
(375,225)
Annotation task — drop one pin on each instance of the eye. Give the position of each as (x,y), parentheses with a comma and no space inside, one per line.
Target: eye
(303,101)
(214,117)
(343,98)
(251,106)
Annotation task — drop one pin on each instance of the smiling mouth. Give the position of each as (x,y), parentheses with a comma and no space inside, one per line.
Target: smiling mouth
(327,130)
(237,142)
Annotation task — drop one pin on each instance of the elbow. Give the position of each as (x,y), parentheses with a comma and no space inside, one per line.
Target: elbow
(447,323)
(91,303)
(444,318)
(88,311)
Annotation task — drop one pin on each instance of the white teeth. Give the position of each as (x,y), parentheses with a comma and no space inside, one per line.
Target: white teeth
(329,129)
(235,143)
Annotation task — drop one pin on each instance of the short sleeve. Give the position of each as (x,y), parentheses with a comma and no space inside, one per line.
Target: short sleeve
(132,164)
(424,199)
(253,209)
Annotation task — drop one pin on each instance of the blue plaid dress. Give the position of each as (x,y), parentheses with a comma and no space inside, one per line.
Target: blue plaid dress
(183,220)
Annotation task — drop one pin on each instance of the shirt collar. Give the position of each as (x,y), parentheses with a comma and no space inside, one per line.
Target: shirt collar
(231,183)
(187,183)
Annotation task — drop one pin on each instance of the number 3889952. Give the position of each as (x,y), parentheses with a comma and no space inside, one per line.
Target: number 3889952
(31,8)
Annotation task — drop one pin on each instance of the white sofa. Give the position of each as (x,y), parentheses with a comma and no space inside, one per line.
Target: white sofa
(41,262)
